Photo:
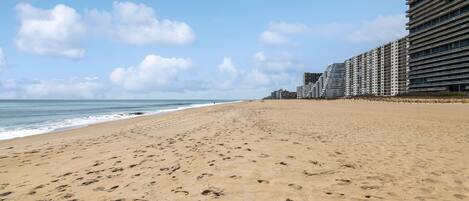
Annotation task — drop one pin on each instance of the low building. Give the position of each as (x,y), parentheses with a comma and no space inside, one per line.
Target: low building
(299,92)
(282,94)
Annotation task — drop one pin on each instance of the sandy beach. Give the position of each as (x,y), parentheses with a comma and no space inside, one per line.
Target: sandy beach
(272,150)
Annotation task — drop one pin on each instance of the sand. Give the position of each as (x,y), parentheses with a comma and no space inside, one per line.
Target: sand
(272,150)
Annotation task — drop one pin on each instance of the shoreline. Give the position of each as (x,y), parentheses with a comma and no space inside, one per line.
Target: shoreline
(271,150)
(130,115)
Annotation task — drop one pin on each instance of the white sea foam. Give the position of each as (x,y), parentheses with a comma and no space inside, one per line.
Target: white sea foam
(50,126)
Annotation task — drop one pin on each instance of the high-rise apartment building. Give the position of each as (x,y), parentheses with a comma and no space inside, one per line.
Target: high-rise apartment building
(439,45)
(381,72)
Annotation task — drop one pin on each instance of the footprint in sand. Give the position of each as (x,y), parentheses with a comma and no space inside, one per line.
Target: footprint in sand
(315,162)
(62,188)
(113,188)
(86,183)
(5,194)
(117,169)
(295,186)
(213,192)
(344,181)
(263,181)
(3,186)
(264,156)
(459,196)
(68,195)
(179,190)
(235,177)
(318,173)
(369,187)
(204,175)
(282,163)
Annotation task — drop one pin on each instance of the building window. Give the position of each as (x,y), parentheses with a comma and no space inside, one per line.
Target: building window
(441,19)
(441,48)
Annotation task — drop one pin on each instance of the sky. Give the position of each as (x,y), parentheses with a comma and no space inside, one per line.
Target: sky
(161,49)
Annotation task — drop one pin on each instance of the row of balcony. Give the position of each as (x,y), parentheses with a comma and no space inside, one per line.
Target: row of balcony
(447,36)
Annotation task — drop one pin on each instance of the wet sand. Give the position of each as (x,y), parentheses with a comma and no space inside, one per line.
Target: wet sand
(272,150)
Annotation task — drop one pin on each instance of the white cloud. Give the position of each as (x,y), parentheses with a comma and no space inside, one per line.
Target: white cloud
(380,30)
(267,71)
(86,87)
(276,64)
(227,66)
(137,24)
(2,60)
(278,32)
(50,32)
(153,73)
(273,71)
(272,38)
(288,28)
(58,31)
(256,78)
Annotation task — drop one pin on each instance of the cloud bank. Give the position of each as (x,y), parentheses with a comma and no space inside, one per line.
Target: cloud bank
(73,88)
(267,72)
(133,23)
(278,33)
(60,30)
(153,73)
(382,29)
(50,32)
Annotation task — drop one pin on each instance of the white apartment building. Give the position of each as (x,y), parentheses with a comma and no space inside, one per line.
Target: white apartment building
(381,72)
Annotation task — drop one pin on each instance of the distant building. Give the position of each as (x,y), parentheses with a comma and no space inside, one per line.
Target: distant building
(310,78)
(300,92)
(330,84)
(439,45)
(282,94)
(333,81)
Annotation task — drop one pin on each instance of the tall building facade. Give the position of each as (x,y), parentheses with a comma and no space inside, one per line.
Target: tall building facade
(439,45)
(330,84)
(381,72)
(333,81)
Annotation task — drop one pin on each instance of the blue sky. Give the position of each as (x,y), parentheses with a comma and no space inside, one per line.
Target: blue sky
(182,49)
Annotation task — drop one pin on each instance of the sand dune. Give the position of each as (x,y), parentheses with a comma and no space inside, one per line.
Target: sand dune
(273,150)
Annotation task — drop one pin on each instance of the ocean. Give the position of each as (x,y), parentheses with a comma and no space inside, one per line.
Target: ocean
(20,118)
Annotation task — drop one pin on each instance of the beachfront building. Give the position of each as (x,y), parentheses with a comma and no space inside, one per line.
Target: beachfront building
(299,92)
(333,81)
(382,71)
(282,94)
(306,91)
(439,45)
(329,84)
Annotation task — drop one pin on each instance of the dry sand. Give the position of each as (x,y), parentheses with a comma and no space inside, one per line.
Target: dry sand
(273,150)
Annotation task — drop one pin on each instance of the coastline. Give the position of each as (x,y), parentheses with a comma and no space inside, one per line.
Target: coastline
(121,116)
(271,150)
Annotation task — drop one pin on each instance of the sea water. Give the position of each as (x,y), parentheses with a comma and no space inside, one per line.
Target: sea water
(19,118)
